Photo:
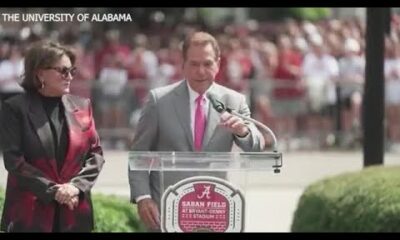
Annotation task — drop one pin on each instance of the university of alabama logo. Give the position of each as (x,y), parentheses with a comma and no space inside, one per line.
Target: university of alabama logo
(202,204)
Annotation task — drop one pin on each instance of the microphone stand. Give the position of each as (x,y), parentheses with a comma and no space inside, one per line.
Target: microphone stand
(259,124)
(276,155)
(220,107)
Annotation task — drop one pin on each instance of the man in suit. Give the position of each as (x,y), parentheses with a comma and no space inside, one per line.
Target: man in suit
(178,117)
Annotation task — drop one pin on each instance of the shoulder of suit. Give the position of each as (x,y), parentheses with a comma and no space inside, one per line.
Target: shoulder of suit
(161,91)
(227,91)
(18,100)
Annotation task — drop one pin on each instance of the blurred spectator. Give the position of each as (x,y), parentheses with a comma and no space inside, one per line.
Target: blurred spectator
(175,57)
(392,90)
(351,82)
(85,76)
(11,70)
(114,100)
(4,49)
(238,66)
(288,89)
(269,60)
(142,63)
(142,66)
(320,71)
(165,71)
(112,48)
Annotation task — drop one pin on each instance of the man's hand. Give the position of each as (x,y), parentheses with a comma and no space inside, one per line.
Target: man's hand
(149,213)
(234,124)
(65,193)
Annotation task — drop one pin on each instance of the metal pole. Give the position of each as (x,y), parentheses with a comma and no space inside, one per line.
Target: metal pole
(373,100)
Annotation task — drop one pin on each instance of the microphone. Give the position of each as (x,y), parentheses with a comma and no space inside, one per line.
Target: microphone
(217,105)
(220,107)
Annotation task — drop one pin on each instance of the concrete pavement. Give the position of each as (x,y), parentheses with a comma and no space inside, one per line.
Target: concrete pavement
(271,198)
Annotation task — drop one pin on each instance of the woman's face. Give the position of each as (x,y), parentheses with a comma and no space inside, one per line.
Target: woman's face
(57,78)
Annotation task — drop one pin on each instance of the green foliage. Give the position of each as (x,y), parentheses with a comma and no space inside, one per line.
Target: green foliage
(115,214)
(111,213)
(1,200)
(311,14)
(279,14)
(364,201)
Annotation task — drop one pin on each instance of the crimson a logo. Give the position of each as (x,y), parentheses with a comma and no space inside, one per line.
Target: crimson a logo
(202,204)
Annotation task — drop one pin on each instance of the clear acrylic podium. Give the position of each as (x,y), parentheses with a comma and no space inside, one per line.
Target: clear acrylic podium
(203,191)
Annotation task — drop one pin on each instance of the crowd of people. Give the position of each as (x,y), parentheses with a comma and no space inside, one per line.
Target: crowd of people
(293,73)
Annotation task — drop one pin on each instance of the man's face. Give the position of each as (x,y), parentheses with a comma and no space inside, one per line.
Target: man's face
(200,66)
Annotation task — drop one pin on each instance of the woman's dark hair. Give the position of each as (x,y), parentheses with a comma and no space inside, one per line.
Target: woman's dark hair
(42,55)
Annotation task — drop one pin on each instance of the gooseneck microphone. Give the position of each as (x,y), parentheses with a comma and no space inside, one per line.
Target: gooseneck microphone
(220,107)
(217,105)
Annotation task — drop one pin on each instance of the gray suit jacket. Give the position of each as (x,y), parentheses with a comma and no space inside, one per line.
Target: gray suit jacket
(164,125)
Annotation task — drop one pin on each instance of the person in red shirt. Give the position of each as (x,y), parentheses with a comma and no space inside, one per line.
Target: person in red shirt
(288,88)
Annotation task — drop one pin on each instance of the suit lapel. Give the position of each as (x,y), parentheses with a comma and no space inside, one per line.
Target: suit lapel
(182,109)
(75,128)
(212,123)
(42,125)
(70,110)
(213,118)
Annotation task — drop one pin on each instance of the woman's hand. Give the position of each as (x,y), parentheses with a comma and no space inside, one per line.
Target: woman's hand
(73,202)
(66,194)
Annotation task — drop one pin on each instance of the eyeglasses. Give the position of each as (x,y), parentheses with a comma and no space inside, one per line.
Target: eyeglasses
(64,71)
